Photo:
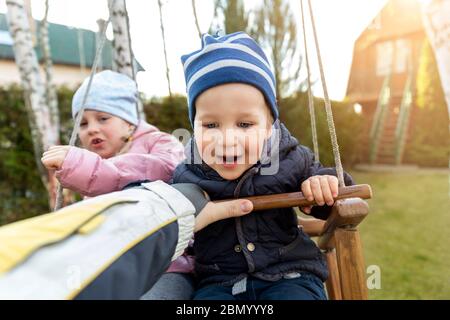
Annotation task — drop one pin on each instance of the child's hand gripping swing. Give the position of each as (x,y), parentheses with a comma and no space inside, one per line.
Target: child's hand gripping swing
(297,199)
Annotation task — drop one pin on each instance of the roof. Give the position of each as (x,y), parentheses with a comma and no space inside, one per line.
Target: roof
(64,45)
(398,21)
(398,18)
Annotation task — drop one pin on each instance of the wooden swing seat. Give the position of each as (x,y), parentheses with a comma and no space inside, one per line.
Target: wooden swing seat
(340,240)
(338,236)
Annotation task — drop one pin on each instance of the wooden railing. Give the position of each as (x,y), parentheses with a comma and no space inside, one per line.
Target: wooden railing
(379,118)
(401,131)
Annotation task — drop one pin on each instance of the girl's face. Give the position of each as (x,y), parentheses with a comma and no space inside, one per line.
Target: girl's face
(232,122)
(104,133)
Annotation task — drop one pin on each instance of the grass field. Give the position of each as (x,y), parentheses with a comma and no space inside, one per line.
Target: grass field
(407,234)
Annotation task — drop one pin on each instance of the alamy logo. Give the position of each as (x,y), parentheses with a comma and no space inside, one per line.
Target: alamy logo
(374,278)
(74,278)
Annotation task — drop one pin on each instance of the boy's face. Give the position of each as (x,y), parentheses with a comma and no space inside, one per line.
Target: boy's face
(232,122)
(103,133)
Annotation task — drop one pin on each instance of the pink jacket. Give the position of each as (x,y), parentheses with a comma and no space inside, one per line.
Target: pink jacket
(153,156)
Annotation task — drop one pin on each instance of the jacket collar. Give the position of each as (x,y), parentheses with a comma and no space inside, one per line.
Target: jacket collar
(142,129)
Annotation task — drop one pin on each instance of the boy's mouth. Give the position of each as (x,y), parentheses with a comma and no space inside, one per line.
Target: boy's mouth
(229,160)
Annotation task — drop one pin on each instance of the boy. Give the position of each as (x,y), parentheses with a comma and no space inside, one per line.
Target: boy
(234,113)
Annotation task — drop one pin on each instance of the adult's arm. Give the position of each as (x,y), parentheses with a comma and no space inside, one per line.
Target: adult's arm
(114,246)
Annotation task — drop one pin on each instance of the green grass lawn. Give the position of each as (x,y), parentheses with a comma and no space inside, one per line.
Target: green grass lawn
(407,234)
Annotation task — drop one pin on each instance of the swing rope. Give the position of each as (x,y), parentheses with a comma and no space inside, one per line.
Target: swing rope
(133,67)
(79,117)
(312,112)
(328,109)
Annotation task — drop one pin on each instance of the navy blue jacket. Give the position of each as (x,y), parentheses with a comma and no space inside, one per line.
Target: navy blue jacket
(265,244)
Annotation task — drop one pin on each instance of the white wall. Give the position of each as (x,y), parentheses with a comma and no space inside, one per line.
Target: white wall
(71,76)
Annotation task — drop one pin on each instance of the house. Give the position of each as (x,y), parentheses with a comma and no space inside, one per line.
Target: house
(382,78)
(72,52)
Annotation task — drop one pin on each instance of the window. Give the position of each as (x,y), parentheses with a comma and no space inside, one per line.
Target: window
(5,38)
(386,51)
(402,55)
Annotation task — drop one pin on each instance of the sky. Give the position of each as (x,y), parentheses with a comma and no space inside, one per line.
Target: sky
(339,23)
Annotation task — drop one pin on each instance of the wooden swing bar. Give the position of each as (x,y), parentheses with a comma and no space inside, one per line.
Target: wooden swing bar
(297,199)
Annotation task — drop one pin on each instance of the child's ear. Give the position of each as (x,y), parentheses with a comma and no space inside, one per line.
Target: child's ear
(129,137)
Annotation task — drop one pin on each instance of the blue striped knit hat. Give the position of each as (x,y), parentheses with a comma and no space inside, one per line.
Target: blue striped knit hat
(233,58)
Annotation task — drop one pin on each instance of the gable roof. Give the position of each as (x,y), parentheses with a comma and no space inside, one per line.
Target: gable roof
(64,45)
(398,18)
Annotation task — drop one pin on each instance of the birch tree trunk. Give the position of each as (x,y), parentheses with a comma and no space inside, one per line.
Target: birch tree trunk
(123,53)
(43,133)
(121,43)
(436,21)
(197,25)
(164,46)
(50,90)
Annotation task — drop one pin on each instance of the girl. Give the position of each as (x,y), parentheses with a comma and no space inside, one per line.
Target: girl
(117,148)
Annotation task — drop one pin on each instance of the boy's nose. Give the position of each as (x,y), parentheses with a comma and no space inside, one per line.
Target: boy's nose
(231,136)
(228,143)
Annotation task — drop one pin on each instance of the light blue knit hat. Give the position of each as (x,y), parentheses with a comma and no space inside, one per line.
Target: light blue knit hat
(233,58)
(110,92)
